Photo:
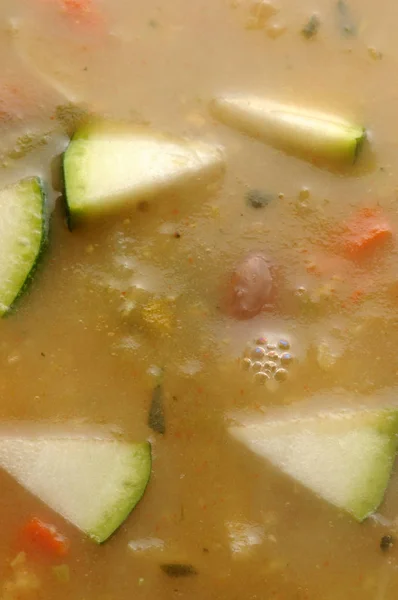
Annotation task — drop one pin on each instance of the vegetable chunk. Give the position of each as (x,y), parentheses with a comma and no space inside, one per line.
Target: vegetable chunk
(45,537)
(22,237)
(93,483)
(345,457)
(312,135)
(249,287)
(367,231)
(108,166)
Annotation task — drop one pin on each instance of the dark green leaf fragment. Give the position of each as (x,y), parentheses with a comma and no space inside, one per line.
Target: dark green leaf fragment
(71,116)
(258,199)
(386,542)
(178,569)
(347,23)
(311,28)
(156,418)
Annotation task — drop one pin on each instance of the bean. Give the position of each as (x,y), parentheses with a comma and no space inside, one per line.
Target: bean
(250,287)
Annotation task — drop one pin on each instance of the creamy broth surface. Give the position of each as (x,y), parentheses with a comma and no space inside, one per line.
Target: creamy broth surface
(181,289)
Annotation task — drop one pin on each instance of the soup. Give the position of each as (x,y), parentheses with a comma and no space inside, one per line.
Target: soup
(217,294)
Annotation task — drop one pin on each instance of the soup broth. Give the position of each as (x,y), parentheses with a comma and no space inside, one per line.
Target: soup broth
(144,305)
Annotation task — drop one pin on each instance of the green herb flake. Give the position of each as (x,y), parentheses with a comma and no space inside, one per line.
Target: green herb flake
(259,199)
(375,54)
(61,573)
(178,570)
(311,28)
(156,418)
(386,542)
(347,23)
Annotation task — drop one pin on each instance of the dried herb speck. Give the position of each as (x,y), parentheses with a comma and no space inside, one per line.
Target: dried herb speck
(386,542)
(27,143)
(347,24)
(156,419)
(71,116)
(311,28)
(178,570)
(258,199)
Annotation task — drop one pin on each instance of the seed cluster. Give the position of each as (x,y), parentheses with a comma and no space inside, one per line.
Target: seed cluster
(268,360)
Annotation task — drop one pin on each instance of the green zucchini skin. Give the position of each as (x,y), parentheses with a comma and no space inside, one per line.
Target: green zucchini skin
(38,187)
(110,167)
(67,214)
(91,481)
(320,138)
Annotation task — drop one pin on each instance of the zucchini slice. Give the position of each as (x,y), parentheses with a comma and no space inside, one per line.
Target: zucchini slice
(108,166)
(313,135)
(94,483)
(23,232)
(345,457)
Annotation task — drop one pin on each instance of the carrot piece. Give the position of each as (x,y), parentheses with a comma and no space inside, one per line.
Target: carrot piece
(45,537)
(79,5)
(366,232)
(81,11)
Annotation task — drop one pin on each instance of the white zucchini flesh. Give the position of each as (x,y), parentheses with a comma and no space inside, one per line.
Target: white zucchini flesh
(311,134)
(22,236)
(93,483)
(107,167)
(345,458)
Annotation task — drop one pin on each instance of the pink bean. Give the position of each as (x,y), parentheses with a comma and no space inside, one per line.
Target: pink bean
(249,287)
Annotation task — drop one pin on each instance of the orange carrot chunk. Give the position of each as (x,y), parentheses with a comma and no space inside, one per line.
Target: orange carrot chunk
(366,232)
(80,11)
(83,11)
(45,537)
